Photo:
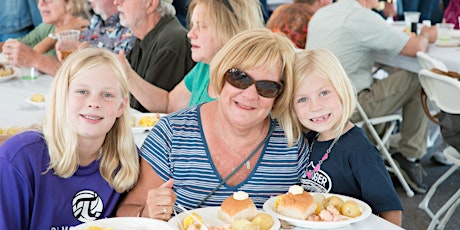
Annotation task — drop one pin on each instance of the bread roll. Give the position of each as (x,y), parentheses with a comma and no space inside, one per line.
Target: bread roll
(297,203)
(238,206)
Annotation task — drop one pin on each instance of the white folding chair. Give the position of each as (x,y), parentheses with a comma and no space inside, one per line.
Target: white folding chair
(392,121)
(428,62)
(443,91)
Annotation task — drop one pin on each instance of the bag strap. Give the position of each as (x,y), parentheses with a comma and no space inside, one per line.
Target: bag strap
(424,97)
(240,165)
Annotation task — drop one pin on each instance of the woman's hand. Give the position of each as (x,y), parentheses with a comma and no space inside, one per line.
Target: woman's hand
(160,202)
(19,54)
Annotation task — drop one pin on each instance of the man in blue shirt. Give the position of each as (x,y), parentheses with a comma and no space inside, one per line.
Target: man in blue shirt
(17,18)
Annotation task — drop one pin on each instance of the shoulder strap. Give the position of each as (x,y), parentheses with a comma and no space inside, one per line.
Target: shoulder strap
(240,165)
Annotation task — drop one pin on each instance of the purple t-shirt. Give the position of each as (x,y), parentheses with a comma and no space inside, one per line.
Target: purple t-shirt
(33,199)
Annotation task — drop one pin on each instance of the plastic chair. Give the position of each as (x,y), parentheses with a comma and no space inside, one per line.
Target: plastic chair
(392,121)
(441,90)
(428,62)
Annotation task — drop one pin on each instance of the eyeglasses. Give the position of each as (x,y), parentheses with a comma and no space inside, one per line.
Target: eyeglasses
(241,80)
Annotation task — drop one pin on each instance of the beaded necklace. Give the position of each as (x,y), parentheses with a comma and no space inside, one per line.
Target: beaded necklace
(323,159)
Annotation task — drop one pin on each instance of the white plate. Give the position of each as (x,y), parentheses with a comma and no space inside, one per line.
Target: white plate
(451,43)
(38,104)
(122,223)
(137,128)
(456,34)
(270,204)
(7,78)
(209,216)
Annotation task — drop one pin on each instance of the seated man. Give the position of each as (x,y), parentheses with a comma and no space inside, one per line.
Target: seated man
(292,19)
(352,31)
(105,30)
(162,52)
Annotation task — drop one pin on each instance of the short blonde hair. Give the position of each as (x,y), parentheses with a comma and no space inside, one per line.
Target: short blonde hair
(245,14)
(75,7)
(251,49)
(326,65)
(119,161)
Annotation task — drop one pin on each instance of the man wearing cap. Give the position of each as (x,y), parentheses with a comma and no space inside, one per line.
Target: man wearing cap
(161,54)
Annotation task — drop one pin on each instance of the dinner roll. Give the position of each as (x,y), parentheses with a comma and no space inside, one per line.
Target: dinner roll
(296,203)
(237,206)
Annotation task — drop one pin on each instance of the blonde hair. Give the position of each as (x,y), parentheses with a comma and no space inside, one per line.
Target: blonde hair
(254,48)
(325,64)
(75,7)
(245,14)
(119,163)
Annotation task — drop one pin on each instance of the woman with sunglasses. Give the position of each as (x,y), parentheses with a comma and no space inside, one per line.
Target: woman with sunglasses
(33,50)
(202,154)
(212,24)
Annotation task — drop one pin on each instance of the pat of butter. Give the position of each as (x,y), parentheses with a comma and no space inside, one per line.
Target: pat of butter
(296,189)
(240,195)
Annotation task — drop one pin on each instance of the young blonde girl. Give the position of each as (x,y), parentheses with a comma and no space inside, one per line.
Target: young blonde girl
(340,158)
(75,169)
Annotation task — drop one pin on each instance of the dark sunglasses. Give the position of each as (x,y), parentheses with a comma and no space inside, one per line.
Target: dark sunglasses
(241,80)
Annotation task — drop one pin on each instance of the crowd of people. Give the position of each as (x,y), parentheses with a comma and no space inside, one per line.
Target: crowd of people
(248,102)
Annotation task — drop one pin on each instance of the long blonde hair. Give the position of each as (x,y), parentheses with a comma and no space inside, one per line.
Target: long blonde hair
(254,48)
(119,163)
(325,64)
(245,14)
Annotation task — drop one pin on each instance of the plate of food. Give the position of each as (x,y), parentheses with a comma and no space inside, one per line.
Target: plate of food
(455,34)
(317,210)
(37,99)
(122,223)
(236,212)
(7,73)
(448,43)
(141,122)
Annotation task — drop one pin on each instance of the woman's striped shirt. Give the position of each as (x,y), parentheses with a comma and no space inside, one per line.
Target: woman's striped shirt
(176,148)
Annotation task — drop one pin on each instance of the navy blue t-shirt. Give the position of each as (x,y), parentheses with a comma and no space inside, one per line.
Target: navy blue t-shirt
(354,168)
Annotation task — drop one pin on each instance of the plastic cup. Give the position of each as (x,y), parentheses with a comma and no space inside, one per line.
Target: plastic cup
(411,17)
(68,41)
(29,73)
(445,31)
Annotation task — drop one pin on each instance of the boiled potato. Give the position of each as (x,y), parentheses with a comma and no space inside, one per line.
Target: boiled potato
(264,221)
(351,209)
(244,224)
(334,201)
(37,98)
(319,198)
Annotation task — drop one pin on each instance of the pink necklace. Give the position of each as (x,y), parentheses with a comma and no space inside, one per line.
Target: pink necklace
(323,159)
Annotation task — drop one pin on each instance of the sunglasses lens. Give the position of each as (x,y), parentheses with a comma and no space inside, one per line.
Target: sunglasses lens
(241,80)
(269,89)
(238,79)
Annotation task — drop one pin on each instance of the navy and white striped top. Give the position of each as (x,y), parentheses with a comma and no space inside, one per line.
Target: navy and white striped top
(176,148)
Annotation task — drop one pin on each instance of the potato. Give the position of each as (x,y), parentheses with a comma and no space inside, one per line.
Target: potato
(351,209)
(264,221)
(37,98)
(147,121)
(244,224)
(319,198)
(334,201)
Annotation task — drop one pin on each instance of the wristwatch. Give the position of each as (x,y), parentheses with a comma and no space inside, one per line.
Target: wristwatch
(53,36)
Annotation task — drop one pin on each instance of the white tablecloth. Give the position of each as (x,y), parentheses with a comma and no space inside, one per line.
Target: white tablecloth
(450,56)
(14,110)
